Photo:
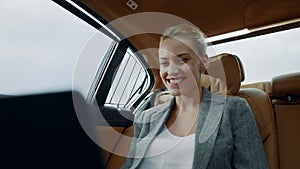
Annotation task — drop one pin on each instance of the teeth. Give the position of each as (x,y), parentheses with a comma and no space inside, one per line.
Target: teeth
(175,80)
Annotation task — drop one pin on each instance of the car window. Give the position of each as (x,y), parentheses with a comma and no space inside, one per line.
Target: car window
(266,56)
(41,46)
(130,81)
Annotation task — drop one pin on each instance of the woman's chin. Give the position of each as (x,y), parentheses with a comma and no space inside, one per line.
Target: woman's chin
(180,92)
(175,92)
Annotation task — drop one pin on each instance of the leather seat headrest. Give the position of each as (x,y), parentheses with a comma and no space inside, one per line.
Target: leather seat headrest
(229,69)
(286,84)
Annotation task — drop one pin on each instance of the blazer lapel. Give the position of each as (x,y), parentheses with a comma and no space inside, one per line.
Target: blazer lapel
(157,121)
(211,110)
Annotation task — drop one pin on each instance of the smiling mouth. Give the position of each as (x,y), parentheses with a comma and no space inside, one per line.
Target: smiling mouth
(175,81)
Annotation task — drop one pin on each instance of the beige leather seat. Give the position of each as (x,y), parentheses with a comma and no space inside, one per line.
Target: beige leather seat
(264,86)
(259,101)
(286,101)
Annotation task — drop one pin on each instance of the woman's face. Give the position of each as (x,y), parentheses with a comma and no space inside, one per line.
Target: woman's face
(179,66)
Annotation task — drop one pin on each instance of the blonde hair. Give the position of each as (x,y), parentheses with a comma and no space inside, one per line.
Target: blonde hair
(189,32)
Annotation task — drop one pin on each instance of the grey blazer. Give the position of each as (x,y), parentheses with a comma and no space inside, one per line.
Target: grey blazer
(226,134)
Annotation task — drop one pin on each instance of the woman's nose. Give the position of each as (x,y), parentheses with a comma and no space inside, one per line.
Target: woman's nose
(173,69)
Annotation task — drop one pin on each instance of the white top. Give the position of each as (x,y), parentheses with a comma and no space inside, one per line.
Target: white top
(168,151)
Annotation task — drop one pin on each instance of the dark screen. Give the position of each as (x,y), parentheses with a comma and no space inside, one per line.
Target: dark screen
(42,131)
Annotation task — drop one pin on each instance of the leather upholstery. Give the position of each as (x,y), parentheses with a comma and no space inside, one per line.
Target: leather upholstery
(158,82)
(258,100)
(286,101)
(261,107)
(264,86)
(116,161)
(286,84)
(229,70)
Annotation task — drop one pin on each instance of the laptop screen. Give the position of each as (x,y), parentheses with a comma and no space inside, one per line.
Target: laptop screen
(42,131)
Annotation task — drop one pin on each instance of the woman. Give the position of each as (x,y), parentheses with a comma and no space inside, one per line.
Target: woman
(195,128)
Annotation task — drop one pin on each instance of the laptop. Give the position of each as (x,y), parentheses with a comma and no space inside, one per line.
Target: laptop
(42,131)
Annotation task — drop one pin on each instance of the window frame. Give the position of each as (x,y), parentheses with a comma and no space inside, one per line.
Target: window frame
(116,59)
(113,57)
(140,86)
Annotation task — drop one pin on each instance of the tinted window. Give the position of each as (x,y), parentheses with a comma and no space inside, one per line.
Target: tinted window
(130,81)
(266,56)
(40,46)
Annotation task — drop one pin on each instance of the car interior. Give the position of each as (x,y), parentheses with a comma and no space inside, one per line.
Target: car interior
(43,130)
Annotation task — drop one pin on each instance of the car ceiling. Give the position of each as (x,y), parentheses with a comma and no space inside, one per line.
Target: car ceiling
(213,17)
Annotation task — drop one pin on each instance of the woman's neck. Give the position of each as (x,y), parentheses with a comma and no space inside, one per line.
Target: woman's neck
(188,102)
(184,115)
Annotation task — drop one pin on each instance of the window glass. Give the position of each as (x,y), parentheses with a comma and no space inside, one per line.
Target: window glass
(93,58)
(40,46)
(266,56)
(130,81)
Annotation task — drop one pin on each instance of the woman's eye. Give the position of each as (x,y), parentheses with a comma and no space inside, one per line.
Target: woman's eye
(183,60)
(163,63)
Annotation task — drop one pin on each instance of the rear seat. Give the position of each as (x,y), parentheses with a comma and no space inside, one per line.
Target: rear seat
(261,107)
(258,100)
(286,102)
(264,86)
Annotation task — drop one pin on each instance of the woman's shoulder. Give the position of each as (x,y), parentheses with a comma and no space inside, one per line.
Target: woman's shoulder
(238,108)
(153,112)
(232,104)
(229,101)
(236,101)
